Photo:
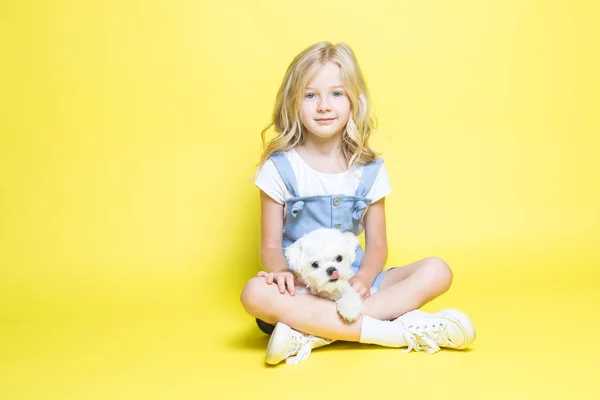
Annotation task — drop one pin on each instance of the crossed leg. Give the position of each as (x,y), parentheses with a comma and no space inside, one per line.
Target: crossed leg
(403,289)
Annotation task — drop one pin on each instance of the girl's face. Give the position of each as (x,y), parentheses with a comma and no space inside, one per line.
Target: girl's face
(325,108)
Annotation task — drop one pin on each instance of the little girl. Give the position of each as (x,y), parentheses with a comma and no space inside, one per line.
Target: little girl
(319,171)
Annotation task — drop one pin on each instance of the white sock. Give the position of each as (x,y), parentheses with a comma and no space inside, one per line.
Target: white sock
(383,333)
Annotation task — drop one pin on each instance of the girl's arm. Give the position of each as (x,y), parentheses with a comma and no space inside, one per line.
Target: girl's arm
(271,245)
(271,241)
(375,248)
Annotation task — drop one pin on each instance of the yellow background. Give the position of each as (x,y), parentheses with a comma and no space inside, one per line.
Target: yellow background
(129,222)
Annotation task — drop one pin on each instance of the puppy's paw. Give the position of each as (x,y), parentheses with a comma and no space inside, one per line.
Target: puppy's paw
(350,306)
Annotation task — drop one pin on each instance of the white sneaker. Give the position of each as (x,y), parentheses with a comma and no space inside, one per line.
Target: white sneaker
(449,328)
(290,345)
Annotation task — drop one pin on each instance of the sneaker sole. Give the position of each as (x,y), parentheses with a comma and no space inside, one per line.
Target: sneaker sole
(277,346)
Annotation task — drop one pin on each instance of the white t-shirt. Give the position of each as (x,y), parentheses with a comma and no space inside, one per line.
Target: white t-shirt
(313,183)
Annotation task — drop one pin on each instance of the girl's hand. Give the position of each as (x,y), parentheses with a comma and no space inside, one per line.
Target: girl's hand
(283,279)
(361,287)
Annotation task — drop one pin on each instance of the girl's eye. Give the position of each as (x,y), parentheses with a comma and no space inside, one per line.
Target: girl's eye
(337,94)
(315,265)
(339,258)
(310,96)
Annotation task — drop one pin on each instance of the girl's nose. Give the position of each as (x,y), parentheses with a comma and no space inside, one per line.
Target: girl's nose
(323,106)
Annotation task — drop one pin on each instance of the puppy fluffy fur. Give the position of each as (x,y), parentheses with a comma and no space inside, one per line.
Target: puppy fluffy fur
(321,259)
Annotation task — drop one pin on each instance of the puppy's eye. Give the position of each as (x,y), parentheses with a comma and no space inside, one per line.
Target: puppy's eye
(339,258)
(315,265)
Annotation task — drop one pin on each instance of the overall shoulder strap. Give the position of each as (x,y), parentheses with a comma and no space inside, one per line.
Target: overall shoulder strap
(368,176)
(285,170)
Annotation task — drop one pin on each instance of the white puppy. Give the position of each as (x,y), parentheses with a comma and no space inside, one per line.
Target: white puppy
(322,260)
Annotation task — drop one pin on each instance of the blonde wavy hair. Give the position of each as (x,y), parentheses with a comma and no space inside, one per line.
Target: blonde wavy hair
(286,113)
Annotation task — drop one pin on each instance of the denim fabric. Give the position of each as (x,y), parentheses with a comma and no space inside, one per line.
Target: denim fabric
(305,214)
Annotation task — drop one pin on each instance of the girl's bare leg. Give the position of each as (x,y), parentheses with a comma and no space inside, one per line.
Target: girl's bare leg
(402,290)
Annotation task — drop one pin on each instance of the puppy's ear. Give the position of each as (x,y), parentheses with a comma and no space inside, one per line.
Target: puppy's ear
(351,240)
(292,254)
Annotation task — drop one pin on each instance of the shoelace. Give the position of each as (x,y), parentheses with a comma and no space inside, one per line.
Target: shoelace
(301,348)
(297,341)
(428,338)
(308,343)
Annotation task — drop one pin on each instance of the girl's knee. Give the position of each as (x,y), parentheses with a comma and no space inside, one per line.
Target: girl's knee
(439,273)
(253,295)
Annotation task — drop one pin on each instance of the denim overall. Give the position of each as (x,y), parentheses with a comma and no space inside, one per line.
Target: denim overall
(305,214)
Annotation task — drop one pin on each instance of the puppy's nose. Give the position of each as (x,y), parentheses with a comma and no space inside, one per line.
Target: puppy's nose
(331,270)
